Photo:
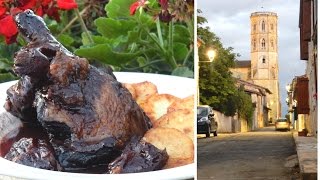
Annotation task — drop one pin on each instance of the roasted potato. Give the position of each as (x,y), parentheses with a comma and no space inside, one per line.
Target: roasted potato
(182,119)
(185,103)
(143,90)
(157,104)
(179,147)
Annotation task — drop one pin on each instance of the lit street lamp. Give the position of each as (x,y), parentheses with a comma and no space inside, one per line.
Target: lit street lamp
(211,54)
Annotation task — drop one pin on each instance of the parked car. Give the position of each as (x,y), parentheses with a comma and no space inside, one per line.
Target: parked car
(206,123)
(282,123)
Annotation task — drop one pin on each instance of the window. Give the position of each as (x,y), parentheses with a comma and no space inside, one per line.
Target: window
(271,26)
(263,44)
(254,27)
(271,43)
(263,26)
(263,59)
(254,44)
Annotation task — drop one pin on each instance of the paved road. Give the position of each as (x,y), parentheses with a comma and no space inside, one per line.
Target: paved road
(258,155)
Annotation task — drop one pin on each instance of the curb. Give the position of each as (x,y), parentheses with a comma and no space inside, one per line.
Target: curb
(306,148)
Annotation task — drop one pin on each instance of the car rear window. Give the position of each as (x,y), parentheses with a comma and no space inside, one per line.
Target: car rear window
(202,111)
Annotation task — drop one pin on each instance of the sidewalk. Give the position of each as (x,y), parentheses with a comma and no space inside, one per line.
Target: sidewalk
(307,156)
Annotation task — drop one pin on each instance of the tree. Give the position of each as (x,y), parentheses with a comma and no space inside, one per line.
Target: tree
(244,106)
(217,86)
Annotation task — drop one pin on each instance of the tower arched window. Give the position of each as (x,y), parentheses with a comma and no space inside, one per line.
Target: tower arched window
(254,27)
(254,44)
(263,26)
(271,27)
(271,42)
(263,59)
(263,44)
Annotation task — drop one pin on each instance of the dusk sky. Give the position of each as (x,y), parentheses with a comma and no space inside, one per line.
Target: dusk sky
(230,20)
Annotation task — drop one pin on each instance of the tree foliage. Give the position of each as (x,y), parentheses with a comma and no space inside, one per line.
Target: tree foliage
(216,84)
(244,106)
(217,87)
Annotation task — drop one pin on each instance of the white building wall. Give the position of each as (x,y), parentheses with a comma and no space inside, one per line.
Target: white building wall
(224,122)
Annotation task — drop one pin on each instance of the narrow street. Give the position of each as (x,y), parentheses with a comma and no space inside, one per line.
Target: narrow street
(259,155)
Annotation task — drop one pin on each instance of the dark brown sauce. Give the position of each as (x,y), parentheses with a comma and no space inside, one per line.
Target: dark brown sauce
(36,131)
(28,131)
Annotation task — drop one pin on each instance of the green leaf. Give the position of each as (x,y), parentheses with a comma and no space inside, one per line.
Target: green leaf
(4,77)
(53,27)
(100,40)
(65,40)
(180,51)
(141,60)
(21,40)
(96,39)
(154,37)
(182,71)
(111,28)
(5,64)
(181,34)
(85,39)
(133,36)
(105,54)
(2,39)
(119,8)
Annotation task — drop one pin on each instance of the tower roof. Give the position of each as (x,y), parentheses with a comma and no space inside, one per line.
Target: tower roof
(263,13)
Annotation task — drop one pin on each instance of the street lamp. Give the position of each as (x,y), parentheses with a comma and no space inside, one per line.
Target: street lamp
(211,54)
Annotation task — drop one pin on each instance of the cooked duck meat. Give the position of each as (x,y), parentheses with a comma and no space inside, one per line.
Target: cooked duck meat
(89,116)
(32,152)
(138,156)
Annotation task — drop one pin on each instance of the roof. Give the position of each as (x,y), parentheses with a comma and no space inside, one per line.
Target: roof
(263,13)
(242,64)
(257,87)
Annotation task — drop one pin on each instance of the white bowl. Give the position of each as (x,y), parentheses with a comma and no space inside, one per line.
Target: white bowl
(177,86)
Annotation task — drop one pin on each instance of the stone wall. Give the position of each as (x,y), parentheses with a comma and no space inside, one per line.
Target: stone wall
(227,124)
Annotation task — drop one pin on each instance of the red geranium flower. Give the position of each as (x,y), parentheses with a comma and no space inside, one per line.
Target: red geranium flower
(136,5)
(67,4)
(8,28)
(26,4)
(164,4)
(45,2)
(3,9)
(9,8)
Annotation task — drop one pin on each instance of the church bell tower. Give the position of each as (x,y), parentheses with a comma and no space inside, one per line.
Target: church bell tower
(264,57)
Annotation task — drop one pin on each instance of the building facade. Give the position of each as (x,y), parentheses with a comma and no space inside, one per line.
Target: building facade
(308,24)
(264,57)
(262,68)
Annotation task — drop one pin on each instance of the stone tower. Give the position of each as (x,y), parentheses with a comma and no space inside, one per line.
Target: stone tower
(264,57)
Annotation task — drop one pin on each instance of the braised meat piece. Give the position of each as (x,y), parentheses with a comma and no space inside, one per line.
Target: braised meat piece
(89,116)
(138,156)
(32,152)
